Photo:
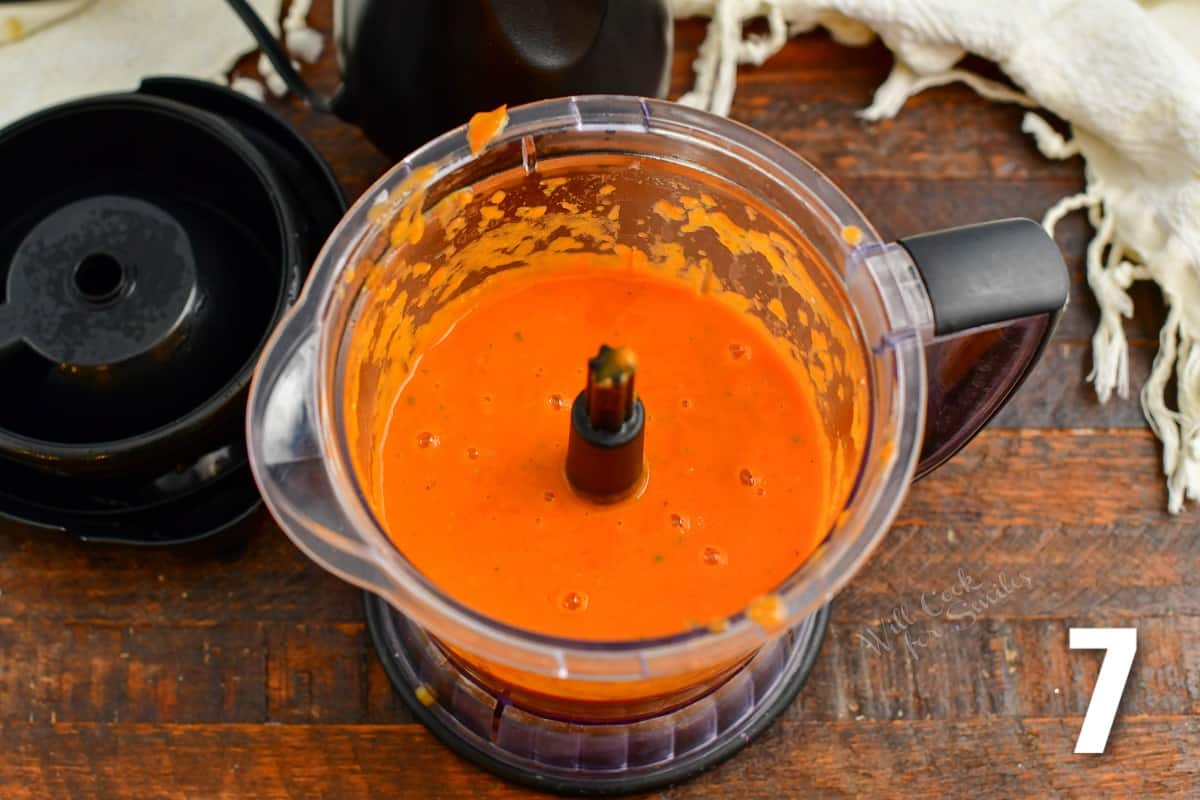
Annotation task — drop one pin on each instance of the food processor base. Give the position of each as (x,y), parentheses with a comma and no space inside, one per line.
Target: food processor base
(591,759)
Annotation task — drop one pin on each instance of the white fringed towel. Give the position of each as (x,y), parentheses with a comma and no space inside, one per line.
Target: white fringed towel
(110,45)
(20,19)
(1126,75)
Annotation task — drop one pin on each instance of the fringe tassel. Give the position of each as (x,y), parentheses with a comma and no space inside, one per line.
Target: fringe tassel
(1165,423)
(1179,431)
(903,82)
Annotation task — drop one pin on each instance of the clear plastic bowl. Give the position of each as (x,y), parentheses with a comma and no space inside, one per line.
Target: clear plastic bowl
(855,310)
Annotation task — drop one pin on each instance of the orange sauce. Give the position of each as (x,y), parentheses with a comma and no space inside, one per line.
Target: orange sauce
(485,126)
(473,486)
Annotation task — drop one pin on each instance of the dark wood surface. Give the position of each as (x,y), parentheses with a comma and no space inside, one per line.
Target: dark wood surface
(150,675)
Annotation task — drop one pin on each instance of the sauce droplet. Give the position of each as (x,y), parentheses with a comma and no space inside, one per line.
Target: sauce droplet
(426,695)
(428,440)
(738,350)
(472,453)
(746,477)
(556,402)
(767,610)
(575,601)
(714,556)
(679,521)
(549,497)
(484,127)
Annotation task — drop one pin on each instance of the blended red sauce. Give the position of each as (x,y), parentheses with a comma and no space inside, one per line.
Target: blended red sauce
(474,490)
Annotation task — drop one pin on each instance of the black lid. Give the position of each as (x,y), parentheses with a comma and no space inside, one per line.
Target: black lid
(157,238)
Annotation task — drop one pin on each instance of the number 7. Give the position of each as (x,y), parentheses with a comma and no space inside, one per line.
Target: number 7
(1119,645)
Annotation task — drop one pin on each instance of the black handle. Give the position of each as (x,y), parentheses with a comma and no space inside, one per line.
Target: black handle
(992,272)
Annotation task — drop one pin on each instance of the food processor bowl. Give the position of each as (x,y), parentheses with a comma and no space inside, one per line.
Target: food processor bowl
(700,198)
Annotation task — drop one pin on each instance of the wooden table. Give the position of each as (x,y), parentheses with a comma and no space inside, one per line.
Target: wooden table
(148,675)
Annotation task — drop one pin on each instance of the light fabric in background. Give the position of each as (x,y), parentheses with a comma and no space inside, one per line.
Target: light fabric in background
(110,45)
(19,20)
